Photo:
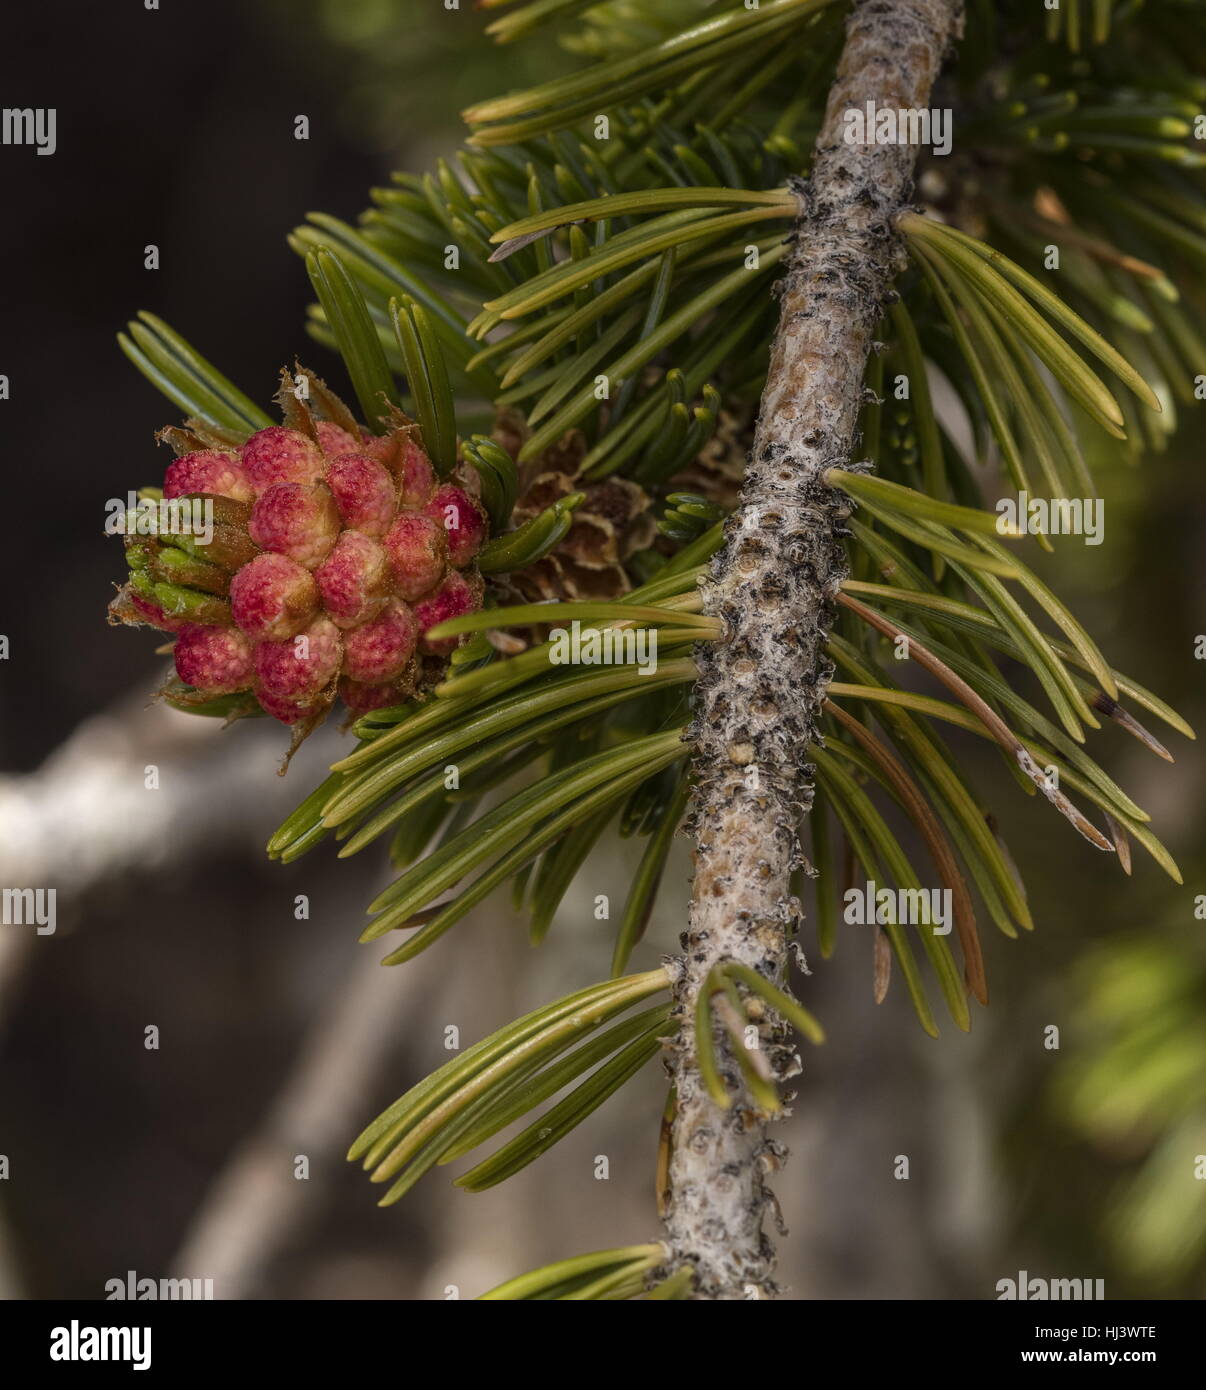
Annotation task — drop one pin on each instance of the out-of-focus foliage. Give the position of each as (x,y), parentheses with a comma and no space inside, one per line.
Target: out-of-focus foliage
(402,70)
(1135,1086)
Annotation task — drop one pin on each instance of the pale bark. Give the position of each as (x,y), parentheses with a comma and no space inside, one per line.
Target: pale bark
(761,688)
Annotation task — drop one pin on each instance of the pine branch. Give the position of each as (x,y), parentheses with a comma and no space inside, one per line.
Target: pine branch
(760,690)
(625,260)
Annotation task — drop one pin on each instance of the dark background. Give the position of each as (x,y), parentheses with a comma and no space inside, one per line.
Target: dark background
(175,127)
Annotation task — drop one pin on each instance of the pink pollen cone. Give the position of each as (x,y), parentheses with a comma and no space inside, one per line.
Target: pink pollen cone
(206,470)
(334,439)
(455,597)
(379,651)
(418,553)
(297,520)
(360,699)
(216,660)
(272,598)
(406,462)
(301,666)
(353,580)
(462,518)
(280,455)
(154,615)
(364,493)
(290,711)
(417,477)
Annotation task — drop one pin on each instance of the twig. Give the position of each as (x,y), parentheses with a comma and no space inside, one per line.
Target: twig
(760,690)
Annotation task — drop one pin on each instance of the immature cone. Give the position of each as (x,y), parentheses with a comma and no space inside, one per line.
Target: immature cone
(332,555)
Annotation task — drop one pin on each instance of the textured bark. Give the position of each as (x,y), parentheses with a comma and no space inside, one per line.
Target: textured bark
(761,688)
